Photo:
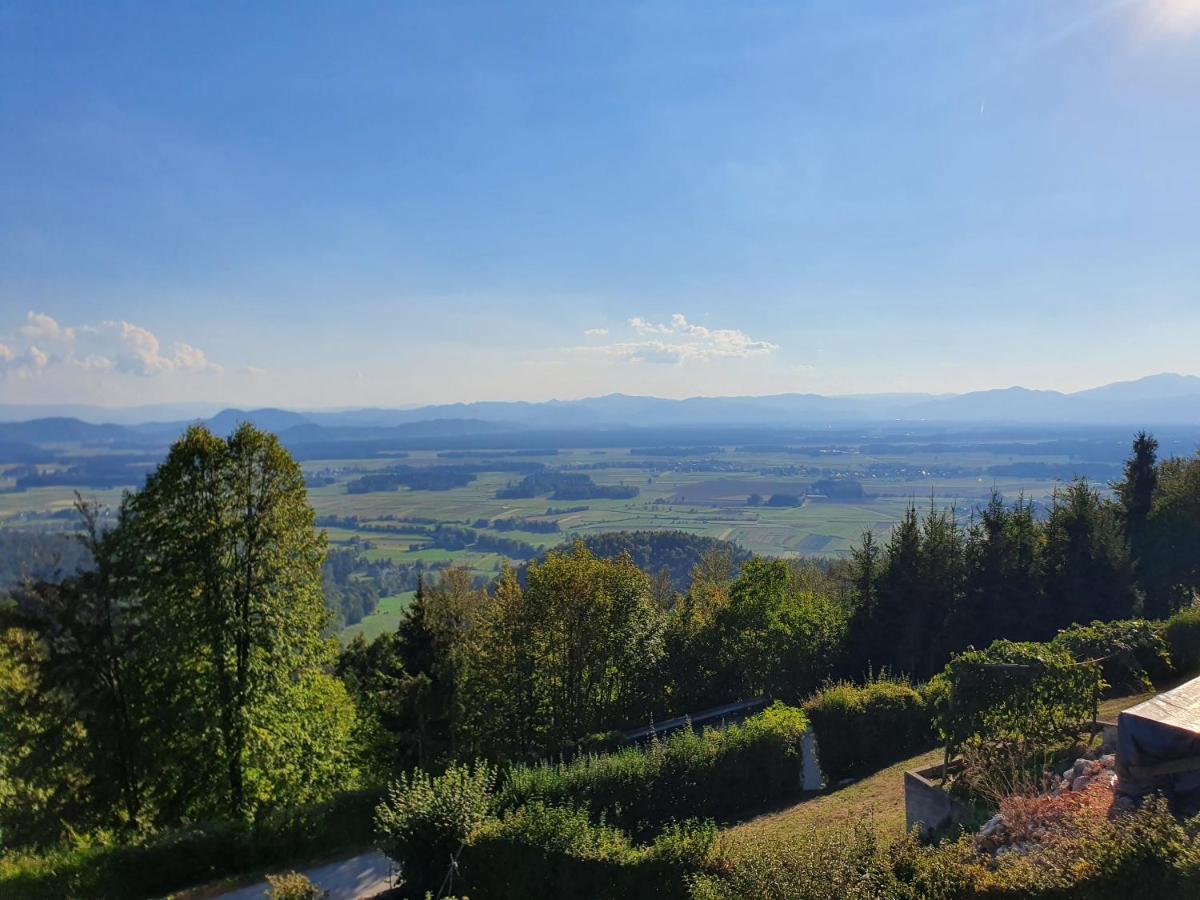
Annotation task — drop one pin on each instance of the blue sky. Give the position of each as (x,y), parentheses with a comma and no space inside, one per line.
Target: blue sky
(314,204)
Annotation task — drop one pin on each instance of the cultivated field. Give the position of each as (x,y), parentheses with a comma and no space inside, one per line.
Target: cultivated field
(706,494)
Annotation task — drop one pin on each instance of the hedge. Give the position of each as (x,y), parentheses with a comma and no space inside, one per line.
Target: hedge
(861,727)
(186,857)
(714,774)
(1182,634)
(546,851)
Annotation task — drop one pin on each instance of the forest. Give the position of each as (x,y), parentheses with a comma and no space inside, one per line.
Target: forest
(186,679)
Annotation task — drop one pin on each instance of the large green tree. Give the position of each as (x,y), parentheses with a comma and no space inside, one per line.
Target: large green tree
(76,641)
(1173,568)
(1087,569)
(777,637)
(228,570)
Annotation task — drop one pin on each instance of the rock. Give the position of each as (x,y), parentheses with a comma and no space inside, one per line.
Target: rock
(1107,777)
(1109,760)
(1081,767)
(1080,783)
(992,825)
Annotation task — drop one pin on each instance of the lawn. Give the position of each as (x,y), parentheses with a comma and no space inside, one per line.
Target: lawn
(385,618)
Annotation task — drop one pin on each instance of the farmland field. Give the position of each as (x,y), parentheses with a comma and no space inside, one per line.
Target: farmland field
(705,495)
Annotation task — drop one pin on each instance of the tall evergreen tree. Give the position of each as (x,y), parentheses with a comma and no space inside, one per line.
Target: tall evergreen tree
(1173,572)
(1002,591)
(900,632)
(1135,496)
(1088,573)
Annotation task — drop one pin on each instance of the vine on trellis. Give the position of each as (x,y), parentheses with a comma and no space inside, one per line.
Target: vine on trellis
(1022,694)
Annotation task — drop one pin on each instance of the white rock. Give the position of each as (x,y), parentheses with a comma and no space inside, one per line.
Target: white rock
(992,825)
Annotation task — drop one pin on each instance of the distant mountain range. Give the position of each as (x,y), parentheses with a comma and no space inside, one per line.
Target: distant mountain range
(1157,400)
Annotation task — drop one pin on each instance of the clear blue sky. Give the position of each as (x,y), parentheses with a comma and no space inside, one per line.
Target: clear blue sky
(318,204)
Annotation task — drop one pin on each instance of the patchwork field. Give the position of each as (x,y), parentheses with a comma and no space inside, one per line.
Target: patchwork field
(705,495)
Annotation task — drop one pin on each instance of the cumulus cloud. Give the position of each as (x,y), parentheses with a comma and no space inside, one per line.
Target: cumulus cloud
(107,347)
(39,326)
(137,351)
(596,332)
(680,341)
(37,358)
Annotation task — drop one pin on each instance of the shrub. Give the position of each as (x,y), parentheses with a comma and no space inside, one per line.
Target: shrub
(1146,854)
(156,865)
(830,864)
(716,773)
(859,727)
(292,886)
(1182,634)
(1030,695)
(426,819)
(548,851)
(1132,653)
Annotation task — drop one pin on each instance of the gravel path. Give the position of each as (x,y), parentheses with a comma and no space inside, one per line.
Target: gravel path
(360,876)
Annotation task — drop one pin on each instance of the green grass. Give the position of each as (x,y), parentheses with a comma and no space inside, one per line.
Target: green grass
(385,618)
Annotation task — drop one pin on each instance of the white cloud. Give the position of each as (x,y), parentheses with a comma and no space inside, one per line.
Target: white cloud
(95,363)
(641,326)
(191,359)
(120,347)
(596,332)
(681,341)
(136,351)
(253,371)
(39,326)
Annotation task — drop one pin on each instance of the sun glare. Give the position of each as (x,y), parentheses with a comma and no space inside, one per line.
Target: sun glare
(1172,18)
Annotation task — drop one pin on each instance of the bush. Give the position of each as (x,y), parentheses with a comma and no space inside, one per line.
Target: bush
(425,820)
(1030,695)
(1146,854)
(292,886)
(156,865)
(830,864)
(547,851)
(1182,634)
(860,727)
(713,774)
(1132,652)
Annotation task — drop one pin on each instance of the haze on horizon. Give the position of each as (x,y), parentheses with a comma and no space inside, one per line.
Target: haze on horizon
(369,205)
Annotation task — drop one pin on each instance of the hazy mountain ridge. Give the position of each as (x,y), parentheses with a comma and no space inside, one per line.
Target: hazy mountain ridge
(1165,399)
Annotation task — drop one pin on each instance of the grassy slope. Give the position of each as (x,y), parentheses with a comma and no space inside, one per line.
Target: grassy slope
(385,618)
